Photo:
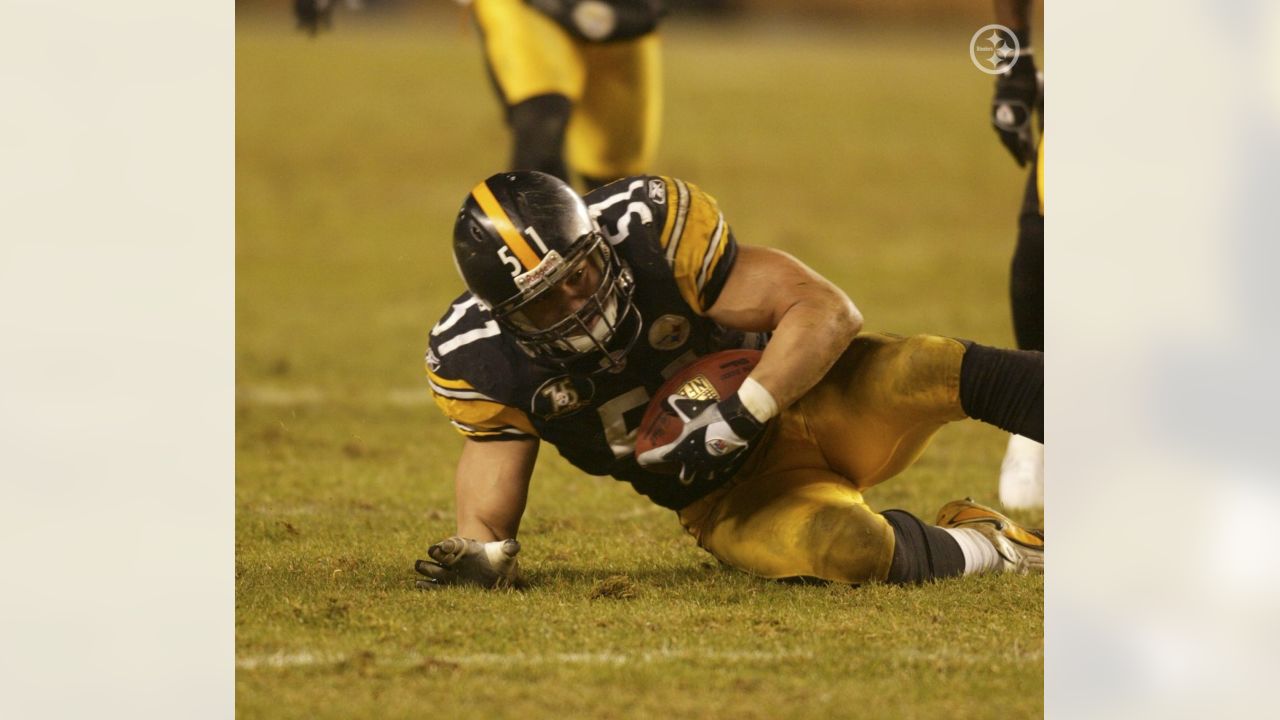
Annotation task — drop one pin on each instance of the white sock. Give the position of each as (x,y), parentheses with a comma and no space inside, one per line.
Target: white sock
(980,556)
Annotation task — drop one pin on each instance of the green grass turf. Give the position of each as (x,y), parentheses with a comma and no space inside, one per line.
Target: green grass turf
(867,155)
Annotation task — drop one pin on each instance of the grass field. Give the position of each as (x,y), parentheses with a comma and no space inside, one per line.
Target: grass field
(865,154)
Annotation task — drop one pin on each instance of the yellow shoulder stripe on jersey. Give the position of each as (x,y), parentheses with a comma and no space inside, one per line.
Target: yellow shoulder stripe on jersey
(514,240)
(482,414)
(697,242)
(447,383)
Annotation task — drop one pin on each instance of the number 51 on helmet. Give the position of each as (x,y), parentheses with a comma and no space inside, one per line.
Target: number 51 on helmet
(521,234)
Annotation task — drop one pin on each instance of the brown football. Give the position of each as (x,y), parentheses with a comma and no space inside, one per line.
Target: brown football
(714,377)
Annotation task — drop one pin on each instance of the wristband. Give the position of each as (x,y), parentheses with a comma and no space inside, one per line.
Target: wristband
(757,400)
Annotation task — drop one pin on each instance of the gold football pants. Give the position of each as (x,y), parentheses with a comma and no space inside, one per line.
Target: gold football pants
(796,507)
(615,87)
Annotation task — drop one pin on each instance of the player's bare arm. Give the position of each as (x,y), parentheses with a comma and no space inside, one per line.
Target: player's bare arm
(812,320)
(491,487)
(1018,88)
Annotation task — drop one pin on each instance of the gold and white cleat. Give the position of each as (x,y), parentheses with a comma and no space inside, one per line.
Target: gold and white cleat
(1021,549)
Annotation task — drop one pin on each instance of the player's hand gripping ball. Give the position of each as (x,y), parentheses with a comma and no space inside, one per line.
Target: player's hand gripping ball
(695,423)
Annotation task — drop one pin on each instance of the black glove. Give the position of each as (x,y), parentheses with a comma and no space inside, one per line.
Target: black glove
(713,435)
(463,561)
(1017,95)
(313,15)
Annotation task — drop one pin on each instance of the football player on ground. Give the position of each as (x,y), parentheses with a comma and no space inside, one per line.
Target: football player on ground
(1020,91)
(578,309)
(580,81)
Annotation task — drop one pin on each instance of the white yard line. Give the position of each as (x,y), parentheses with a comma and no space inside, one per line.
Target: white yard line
(277,396)
(308,659)
(274,395)
(410,397)
(305,659)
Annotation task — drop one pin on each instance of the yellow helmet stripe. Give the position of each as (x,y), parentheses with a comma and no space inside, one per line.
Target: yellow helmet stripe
(514,240)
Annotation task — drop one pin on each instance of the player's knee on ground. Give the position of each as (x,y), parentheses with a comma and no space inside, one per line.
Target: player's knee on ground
(921,552)
(818,530)
(847,545)
(538,127)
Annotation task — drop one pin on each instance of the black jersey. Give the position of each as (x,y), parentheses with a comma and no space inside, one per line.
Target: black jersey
(680,250)
(603,20)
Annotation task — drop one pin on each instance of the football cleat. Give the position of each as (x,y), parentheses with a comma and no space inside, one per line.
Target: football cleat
(1021,549)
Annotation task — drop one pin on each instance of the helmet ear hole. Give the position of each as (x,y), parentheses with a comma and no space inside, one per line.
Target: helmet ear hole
(476,233)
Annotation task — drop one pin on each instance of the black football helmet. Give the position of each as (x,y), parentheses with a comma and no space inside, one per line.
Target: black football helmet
(522,233)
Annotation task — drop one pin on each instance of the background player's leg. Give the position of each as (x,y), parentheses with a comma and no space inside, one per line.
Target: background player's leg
(1022,470)
(538,128)
(614,130)
(1026,277)
(538,73)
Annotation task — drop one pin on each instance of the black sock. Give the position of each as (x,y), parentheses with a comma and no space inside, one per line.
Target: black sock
(921,552)
(1004,388)
(538,126)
